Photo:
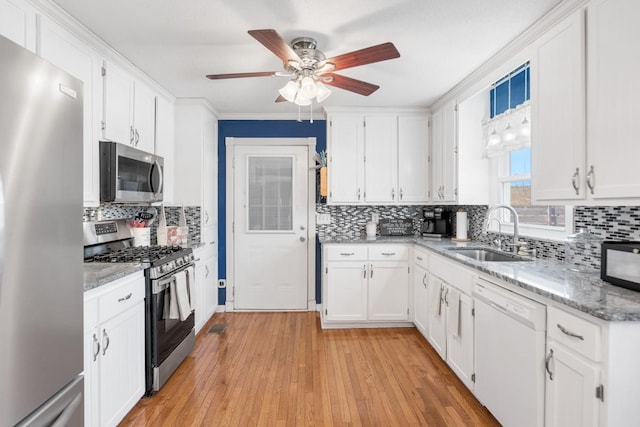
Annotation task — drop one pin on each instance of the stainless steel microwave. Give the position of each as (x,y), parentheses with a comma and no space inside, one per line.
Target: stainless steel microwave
(129,175)
(621,264)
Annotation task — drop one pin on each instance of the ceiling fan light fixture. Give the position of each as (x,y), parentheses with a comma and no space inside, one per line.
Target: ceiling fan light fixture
(289,90)
(301,100)
(308,88)
(323,92)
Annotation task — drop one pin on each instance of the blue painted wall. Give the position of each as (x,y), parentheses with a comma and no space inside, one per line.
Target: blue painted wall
(255,129)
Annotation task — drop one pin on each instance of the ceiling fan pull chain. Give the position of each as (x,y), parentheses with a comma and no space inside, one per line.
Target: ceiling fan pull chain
(311,111)
(299,117)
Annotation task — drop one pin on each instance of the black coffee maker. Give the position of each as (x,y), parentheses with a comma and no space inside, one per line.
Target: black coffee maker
(436,222)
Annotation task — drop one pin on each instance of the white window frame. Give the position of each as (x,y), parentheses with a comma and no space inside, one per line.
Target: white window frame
(499,175)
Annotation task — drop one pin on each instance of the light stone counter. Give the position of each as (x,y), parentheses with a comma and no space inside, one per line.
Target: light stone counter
(547,278)
(97,274)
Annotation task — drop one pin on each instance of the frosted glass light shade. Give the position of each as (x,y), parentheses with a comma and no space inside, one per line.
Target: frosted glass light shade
(289,90)
(308,88)
(301,100)
(323,92)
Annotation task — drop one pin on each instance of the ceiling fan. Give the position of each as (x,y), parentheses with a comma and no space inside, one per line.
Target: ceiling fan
(311,71)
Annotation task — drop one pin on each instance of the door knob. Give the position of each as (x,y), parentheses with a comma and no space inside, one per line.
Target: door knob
(302,239)
(302,227)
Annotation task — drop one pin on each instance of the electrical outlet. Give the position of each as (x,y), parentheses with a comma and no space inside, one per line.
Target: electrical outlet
(375,217)
(222,283)
(323,219)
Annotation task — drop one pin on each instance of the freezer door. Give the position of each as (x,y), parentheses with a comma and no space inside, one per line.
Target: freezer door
(41,265)
(65,409)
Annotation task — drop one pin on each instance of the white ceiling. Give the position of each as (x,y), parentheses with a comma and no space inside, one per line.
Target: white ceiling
(178,42)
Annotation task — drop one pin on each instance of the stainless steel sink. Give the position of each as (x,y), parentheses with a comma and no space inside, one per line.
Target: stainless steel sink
(488,255)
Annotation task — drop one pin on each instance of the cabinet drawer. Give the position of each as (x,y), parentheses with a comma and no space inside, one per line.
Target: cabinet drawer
(421,258)
(122,295)
(378,252)
(574,332)
(346,252)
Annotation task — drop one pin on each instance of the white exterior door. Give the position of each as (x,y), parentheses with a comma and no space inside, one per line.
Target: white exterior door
(271,223)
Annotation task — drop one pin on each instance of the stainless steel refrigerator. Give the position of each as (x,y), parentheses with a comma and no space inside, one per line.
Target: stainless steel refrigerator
(41,265)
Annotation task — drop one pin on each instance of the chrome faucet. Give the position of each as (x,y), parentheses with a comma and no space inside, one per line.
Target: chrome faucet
(516,234)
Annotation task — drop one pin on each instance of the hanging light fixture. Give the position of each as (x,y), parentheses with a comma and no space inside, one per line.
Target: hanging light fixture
(303,90)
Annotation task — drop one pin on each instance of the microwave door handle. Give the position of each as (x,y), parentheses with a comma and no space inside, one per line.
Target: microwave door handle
(156,167)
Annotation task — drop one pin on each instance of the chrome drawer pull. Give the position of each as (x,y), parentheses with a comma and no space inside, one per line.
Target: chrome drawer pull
(568,332)
(547,362)
(419,258)
(347,254)
(125,298)
(388,253)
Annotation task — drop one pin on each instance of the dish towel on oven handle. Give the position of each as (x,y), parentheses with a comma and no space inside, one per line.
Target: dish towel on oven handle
(453,314)
(182,294)
(170,310)
(191,283)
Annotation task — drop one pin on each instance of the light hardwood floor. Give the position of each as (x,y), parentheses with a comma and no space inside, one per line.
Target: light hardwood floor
(282,369)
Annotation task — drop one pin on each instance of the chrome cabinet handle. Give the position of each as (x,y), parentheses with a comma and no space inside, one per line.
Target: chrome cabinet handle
(575,181)
(569,333)
(446,297)
(347,253)
(206,274)
(106,346)
(137,137)
(393,194)
(131,135)
(358,194)
(388,253)
(423,281)
(419,258)
(591,179)
(547,363)
(401,194)
(206,217)
(125,297)
(364,271)
(371,267)
(96,346)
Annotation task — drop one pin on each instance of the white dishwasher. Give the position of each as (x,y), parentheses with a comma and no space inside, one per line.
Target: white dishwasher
(509,355)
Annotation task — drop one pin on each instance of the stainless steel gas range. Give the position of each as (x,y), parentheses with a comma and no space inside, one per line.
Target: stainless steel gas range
(170,337)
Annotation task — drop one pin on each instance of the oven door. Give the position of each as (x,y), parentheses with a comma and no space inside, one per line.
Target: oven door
(166,333)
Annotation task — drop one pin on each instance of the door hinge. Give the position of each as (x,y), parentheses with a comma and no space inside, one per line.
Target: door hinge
(364,123)
(103,125)
(326,270)
(455,108)
(407,310)
(600,392)
(325,312)
(104,71)
(409,269)
(330,123)
(473,312)
(233,227)
(331,194)
(473,378)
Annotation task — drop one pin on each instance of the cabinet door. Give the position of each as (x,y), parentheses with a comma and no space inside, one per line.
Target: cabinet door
(144,117)
(209,171)
(118,93)
(571,392)
(346,293)
(164,144)
(558,112)
(18,23)
(443,160)
(346,159)
(413,159)
(421,299)
(381,159)
(73,56)
(437,316)
(388,291)
(460,347)
(199,316)
(122,377)
(210,287)
(613,91)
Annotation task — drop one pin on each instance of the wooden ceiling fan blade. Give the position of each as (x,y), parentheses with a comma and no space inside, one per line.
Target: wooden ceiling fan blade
(240,75)
(353,85)
(276,44)
(280,98)
(368,55)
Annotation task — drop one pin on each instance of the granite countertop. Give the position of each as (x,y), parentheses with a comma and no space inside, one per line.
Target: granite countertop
(548,278)
(97,274)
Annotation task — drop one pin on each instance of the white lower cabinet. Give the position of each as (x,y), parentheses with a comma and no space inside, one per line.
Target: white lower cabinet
(206,289)
(421,292)
(365,284)
(114,356)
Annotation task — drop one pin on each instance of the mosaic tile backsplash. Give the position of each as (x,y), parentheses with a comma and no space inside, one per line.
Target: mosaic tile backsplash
(609,223)
(192,214)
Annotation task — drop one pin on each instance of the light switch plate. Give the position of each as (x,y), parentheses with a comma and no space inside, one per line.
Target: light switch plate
(323,219)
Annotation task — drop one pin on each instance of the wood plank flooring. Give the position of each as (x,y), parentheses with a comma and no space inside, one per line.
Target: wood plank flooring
(282,369)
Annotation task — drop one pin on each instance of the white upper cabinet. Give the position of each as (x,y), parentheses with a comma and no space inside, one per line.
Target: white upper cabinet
(558,112)
(590,67)
(380,159)
(18,23)
(64,50)
(164,144)
(613,92)
(443,156)
(413,159)
(346,153)
(377,156)
(129,109)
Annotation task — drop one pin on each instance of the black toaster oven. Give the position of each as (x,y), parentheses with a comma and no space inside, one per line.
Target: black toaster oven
(621,264)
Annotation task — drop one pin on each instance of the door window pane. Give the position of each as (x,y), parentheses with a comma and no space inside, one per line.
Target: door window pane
(270,193)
